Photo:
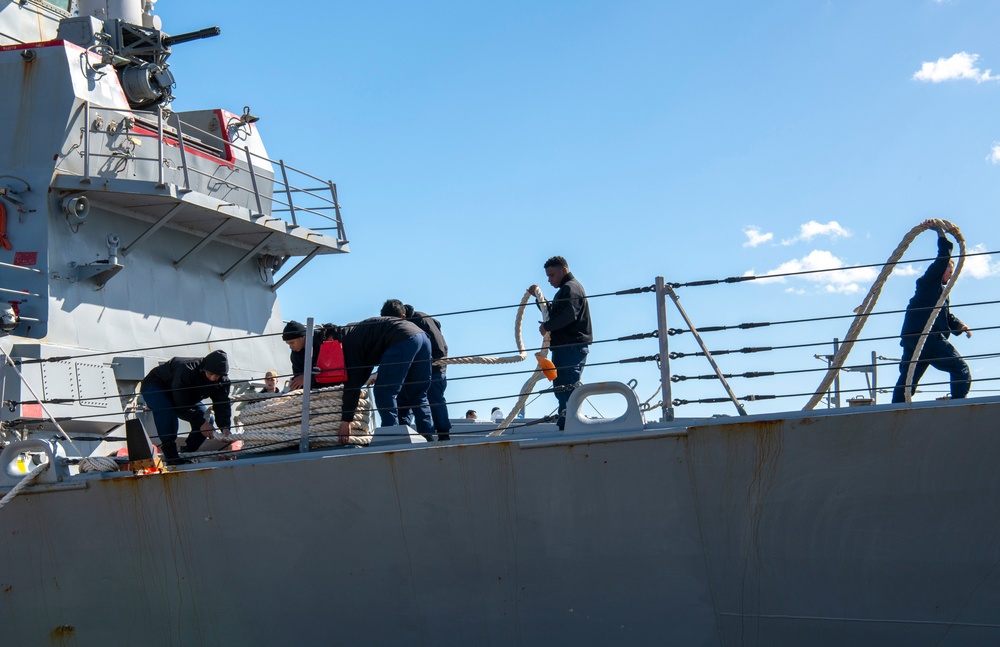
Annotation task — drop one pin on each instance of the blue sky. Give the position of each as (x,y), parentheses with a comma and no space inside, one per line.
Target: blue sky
(471,141)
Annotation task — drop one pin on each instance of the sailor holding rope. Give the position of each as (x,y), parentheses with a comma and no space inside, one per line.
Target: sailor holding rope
(937,352)
(569,330)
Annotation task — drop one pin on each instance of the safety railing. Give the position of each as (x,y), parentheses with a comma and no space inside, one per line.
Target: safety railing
(16,297)
(293,191)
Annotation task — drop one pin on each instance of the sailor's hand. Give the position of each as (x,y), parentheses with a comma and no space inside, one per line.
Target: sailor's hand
(541,329)
(935,224)
(966,330)
(296,383)
(225,431)
(208,430)
(533,289)
(345,433)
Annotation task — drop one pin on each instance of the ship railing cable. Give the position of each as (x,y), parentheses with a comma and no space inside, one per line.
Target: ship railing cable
(845,268)
(248,396)
(236,399)
(855,367)
(859,390)
(867,305)
(37,471)
(764,324)
(209,341)
(890,362)
(762,349)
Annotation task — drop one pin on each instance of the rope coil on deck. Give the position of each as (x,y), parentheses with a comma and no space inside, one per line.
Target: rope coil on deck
(97,464)
(276,420)
(864,310)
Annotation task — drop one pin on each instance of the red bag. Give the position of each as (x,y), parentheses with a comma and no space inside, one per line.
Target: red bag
(330,363)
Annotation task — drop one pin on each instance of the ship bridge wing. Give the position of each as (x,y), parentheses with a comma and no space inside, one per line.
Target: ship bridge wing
(204,173)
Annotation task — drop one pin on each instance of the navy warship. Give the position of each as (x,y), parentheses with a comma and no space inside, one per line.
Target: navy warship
(866,525)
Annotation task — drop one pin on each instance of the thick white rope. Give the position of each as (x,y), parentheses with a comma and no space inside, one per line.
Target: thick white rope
(509,359)
(276,420)
(23,483)
(864,310)
(97,464)
(529,385)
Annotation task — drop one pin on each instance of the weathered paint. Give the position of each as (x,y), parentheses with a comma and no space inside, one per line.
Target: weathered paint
(854,528)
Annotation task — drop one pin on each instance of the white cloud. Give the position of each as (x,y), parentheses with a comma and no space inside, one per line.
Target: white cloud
(811,229)
(846,281)
(980,267)
(994,156)
(959,66)
(906,270)
(754,237)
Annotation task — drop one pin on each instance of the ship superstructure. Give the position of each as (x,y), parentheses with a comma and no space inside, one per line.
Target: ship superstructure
(132,226)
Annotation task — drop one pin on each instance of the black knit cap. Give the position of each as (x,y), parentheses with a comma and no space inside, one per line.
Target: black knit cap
(293,330)
(216,362)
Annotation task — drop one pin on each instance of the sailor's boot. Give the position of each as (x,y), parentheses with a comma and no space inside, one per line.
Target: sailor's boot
(169,451)
(194,441)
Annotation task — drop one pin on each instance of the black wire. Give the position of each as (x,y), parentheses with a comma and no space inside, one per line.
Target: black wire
(755,398)
(63,358)
(741,279)
(760,349)
(763,324)
(848,369)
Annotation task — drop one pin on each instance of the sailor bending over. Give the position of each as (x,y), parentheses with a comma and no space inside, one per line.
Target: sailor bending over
(402,353)
(174,391)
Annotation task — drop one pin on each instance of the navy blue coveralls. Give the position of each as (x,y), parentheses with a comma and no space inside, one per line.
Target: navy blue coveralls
(937,352)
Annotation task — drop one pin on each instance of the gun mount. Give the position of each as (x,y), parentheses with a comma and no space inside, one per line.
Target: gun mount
(137,53)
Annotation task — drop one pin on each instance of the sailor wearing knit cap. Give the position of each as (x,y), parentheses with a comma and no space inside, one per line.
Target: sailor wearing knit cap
(174,391)
(294,335)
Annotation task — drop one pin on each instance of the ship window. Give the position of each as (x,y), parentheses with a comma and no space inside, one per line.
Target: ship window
(62,4)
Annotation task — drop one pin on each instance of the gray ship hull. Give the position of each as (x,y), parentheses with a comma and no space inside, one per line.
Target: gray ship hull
(853,527)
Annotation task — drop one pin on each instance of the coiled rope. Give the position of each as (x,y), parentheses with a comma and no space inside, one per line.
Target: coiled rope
(97,464)
(864,310)
(269,422)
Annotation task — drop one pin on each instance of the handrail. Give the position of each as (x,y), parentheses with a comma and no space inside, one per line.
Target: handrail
(21,267)
(315,200)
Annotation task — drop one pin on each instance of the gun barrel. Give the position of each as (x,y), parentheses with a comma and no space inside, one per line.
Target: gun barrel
(208,32)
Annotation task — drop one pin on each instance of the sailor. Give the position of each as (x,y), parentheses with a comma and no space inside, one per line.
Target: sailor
(937,352)
(174,391)
(439,349)
(568,328)
(402,353)
(294,335)
(270,382)
(471,415)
